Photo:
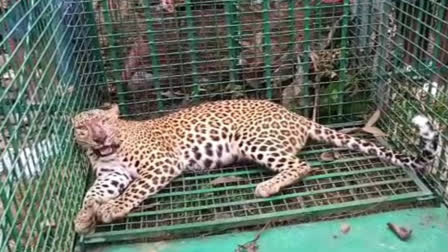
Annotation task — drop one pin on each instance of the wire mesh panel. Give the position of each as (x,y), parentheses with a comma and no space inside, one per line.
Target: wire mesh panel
(224,199)
(159,58)
(334,61)
(47,66)
(412,75)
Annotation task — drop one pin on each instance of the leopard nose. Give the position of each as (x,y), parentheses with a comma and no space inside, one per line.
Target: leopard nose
(99,138)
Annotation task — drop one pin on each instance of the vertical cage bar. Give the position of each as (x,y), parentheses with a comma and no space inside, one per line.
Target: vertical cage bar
(398,48)
(27,48)
(292,23)
(441,11)
(382,94)
(419,29)
(192,41)
(307,59)
(155,63)
(422,31)
(93,35)
(364,14)
(318,17)
(344,56)
(7,216)
(232,38)
(267,48)
(113,50)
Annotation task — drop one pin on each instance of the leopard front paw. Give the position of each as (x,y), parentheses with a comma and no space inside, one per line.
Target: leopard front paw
(85,222)
(266,189)
(110,212)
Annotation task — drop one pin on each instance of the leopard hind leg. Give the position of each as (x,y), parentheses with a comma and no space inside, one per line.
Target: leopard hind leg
(278,157)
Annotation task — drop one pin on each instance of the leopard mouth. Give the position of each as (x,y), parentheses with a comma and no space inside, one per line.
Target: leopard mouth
(105,150)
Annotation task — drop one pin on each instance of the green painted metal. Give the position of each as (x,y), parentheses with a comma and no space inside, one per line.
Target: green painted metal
(220,207)
(192,40)
(267,50)
(367,233)
(237,221)
(112,39)
(233,29)
(306,54)
(344,55)
(154,56)
(440,16)
(380,58)
(60,57)
(41,59)
(189,209)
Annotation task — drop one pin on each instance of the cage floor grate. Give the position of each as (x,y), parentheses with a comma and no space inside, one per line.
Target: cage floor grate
(195,203)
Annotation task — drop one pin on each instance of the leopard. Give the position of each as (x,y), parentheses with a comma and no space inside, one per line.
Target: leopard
(215,134)
(112,177)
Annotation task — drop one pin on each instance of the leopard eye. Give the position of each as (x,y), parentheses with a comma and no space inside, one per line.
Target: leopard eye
(80,132)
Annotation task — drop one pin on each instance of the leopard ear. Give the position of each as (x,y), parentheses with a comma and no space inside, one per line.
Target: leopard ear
(113,111)
(74,119)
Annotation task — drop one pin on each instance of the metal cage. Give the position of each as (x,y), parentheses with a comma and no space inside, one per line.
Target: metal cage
(365,67)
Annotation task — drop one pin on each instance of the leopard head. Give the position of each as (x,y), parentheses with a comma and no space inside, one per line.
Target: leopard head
(95,129)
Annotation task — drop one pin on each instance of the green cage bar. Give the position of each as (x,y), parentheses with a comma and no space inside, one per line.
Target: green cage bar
(193,49)
(267,52)
(232,24)
(154,56)
(112,39)
(306,55)
(336,61)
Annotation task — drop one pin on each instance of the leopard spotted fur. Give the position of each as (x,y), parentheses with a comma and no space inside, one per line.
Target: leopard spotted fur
(111,177)
(214,134)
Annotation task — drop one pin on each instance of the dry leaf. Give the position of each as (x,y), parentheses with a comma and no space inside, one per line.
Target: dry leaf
(400,232)
(223,216)
(158,246)
(3,59)
(290,93)
(250,207)
(381,140)
(317,171)
(135,58)
(252,246)
(345,228)
(349,130)
(333,75)
(373,119)
(150,206)
(70,89)
(48,224)
(169,94)
(332,32)
(259,39)
(228,179)
(374,131)
(246,44)
(315,60)
(329,156)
